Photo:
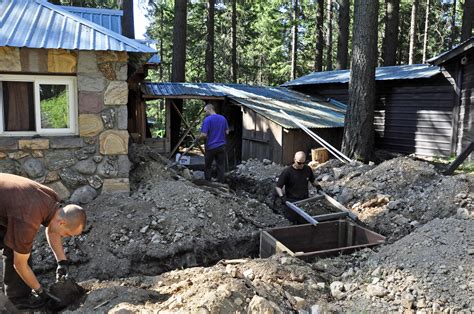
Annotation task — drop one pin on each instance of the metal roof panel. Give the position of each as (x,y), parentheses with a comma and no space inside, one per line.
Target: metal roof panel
(267,101)
(110,19)
(39,24)
(398,72)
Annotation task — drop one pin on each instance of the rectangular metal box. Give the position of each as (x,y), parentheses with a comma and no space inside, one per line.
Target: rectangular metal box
(325,239)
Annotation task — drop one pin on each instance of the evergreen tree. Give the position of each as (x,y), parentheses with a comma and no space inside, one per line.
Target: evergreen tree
(358,140)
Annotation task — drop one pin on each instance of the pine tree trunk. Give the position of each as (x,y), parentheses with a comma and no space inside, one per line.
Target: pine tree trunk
(343,39)
(425,37)
(209,62)
(294,41)
(329,36)
(390,40)
(358,140)
(414,13)
(178,63)
(318,61)
(453,26)
(233,69)
(467,20)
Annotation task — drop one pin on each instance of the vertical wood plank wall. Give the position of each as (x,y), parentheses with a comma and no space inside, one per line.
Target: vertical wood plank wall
(411,116)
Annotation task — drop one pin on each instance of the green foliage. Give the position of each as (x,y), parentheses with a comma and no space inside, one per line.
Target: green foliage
(156,116)
(264,37)
(55,112)
(102,4)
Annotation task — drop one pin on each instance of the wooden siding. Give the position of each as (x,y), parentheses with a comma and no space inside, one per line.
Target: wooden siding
(261,138)
(466,113)
(295,140)
(411,116)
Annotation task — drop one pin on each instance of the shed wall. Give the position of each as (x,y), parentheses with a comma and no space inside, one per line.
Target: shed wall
(297,140)
(467,105)
(412,116)
(261,138)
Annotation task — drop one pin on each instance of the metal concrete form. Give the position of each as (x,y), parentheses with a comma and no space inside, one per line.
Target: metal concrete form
(326,239)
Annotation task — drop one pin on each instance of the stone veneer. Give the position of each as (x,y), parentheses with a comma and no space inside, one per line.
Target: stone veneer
(78,167)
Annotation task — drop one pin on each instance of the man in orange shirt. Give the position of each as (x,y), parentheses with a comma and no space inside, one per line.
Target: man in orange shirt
(24,206)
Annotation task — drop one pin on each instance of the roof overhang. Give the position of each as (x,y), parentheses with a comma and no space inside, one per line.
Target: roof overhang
(40,24)
(450,54)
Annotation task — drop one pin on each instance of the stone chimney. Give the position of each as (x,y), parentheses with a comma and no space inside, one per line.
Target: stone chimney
(128,28)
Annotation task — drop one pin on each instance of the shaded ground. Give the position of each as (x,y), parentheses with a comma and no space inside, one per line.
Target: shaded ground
(130,256)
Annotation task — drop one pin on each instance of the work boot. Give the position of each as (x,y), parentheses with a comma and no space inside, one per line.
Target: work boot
(30,302)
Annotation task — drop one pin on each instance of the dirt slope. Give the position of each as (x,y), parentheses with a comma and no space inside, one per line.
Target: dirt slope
(131,255)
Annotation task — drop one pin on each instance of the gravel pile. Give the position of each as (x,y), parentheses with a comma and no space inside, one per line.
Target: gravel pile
(430,270)
(132,255)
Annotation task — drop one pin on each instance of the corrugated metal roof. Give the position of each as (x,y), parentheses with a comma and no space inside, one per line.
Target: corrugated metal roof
(448,55)
(397,72)
(39,24)
(110,19)
(267,101)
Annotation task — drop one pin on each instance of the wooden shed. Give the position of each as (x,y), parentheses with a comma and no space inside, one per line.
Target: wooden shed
(458,68)
(260,130)
(414,106)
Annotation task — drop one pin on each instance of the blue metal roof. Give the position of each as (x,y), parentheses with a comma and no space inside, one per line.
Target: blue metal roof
(267,101)
(39,24)
(397,72)
(110,19)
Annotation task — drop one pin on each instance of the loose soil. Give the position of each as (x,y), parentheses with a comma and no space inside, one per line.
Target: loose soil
(180,244)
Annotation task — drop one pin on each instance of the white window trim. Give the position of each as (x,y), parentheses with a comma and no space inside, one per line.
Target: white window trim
(37,80)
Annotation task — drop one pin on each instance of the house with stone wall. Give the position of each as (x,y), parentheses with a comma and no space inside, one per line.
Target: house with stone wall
(64,90)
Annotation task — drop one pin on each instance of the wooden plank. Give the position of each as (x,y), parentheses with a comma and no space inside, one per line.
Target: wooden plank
(255,139)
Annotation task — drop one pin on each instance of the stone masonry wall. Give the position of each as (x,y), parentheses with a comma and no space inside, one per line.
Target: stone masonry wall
(78,167)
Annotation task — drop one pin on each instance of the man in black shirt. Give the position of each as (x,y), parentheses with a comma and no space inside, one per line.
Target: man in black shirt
(295,179)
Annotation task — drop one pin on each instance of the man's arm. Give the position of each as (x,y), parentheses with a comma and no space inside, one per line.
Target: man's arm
(56,244)
(281,183)
(20,262)
(313,181)
(279,191)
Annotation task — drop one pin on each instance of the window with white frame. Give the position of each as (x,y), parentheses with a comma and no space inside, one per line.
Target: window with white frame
(32,105)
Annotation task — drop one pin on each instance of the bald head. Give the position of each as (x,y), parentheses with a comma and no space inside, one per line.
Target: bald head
(209,109)
(74,216)
(300,156)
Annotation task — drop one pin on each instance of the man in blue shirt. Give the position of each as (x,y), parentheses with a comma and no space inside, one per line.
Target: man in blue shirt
(214,129)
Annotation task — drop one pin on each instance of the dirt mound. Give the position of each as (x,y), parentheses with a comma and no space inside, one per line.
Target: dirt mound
(274,285)
(256,179)
(400,194)
(128,256)
(167,222)
(431,269)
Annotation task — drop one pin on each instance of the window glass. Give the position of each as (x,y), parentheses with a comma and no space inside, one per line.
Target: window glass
(54,106)
(18,106)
